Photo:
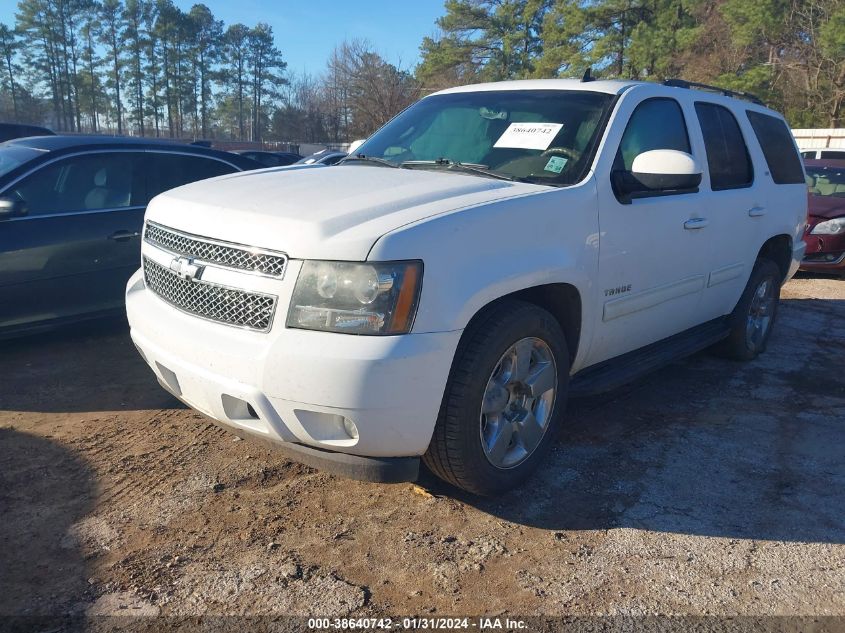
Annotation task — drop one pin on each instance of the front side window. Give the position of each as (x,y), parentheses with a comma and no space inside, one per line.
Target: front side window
(90,182)
(776,142)
(727,155)
(655,124)
(541,136)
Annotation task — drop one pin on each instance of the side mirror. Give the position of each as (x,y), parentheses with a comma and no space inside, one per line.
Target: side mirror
(12,208)
(656,172)
(354,145)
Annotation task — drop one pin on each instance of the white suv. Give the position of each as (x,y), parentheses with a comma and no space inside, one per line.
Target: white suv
(491,250)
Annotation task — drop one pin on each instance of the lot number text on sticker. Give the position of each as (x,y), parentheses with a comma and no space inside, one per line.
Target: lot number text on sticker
(529,135)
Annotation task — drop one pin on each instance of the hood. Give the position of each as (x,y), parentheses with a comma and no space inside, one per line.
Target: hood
(321,212)
(826,207)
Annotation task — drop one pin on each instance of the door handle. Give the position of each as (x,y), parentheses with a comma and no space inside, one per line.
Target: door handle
(696,223)
(123,236)
(756,212)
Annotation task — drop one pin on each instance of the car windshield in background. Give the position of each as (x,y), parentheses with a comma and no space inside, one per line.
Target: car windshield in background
(826,181)
(542,136)
(12,157)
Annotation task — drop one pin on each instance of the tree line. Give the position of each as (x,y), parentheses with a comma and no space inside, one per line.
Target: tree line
(790,53)
(147,67)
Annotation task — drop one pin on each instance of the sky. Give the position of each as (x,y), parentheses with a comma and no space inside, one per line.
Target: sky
(307,30)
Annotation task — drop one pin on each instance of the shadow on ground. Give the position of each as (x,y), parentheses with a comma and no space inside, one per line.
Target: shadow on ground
(83,368)
(44,491)
(706,446)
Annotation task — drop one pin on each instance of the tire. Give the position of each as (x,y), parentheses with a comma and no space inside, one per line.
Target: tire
(487,369)
(747,341)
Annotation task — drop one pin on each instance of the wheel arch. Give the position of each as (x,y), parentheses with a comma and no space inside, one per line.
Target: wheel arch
(561,300)
(779,250)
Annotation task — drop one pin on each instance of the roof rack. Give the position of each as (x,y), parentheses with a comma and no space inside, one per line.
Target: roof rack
(682,83)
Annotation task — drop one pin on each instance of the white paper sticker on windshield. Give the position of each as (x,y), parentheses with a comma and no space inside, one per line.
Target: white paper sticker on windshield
(529,135)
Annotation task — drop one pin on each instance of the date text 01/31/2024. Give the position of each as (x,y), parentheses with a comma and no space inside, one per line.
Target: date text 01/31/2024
(414,624)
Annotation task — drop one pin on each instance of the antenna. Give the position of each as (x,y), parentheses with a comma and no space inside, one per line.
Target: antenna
(588,75)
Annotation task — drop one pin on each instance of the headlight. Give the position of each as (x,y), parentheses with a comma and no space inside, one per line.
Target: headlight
(829,227)
(377,298)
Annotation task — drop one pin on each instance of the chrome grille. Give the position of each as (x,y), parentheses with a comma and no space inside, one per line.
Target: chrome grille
(215,252)
(210,301)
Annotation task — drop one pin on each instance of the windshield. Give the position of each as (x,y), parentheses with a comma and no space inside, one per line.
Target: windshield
(543,136)
(13,156)
(826,181)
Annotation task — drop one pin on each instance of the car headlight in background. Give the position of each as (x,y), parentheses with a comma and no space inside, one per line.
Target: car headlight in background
(356,298)
(829,227)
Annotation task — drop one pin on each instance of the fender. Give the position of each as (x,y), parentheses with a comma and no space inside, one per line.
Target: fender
(473,256)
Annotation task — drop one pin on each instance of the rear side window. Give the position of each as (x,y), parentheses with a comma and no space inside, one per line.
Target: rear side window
(834,155)
(776,142)
(727,155)
(655,124)
(168,171)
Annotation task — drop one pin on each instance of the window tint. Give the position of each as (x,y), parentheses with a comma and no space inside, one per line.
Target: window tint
(168,171)
(655,124)
(776,141)
(839,155)
(727,155)
(12,157)
(83,183)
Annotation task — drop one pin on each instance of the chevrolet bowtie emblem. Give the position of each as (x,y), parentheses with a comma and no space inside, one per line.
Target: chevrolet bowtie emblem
(186,268)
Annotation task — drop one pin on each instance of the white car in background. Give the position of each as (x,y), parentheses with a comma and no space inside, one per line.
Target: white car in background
(490,251)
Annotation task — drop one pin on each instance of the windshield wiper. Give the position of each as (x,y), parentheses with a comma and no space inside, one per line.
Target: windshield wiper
(369,159)
(453,165)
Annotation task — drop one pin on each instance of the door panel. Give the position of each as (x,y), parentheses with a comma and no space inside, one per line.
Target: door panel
(733,200)
(652,261)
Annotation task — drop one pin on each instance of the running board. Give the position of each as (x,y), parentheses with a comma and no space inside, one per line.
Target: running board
(615,372)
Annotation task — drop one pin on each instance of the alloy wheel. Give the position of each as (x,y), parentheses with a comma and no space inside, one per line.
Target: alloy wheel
(518,402)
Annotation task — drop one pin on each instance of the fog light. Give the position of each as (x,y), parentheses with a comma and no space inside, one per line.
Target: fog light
(350,428)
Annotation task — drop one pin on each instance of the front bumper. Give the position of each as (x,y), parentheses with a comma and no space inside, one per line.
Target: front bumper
(825,253)
(300,390)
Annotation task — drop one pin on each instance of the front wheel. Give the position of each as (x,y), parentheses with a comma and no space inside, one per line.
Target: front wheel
(752,320)
(504,401)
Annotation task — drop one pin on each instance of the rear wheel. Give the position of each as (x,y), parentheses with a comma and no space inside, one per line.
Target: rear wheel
(504,401)
(752,319)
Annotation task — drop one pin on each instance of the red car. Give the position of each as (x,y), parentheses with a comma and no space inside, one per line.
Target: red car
(825,233)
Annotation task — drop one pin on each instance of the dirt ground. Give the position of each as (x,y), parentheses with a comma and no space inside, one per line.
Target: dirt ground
(711,487)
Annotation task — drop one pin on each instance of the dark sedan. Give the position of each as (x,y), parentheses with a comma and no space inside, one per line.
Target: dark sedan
(825,234)
(270,159)
(71,215)
(323,157)
(8,131)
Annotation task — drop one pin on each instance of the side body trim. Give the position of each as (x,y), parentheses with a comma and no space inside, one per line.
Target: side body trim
(645,299)
(726,273)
